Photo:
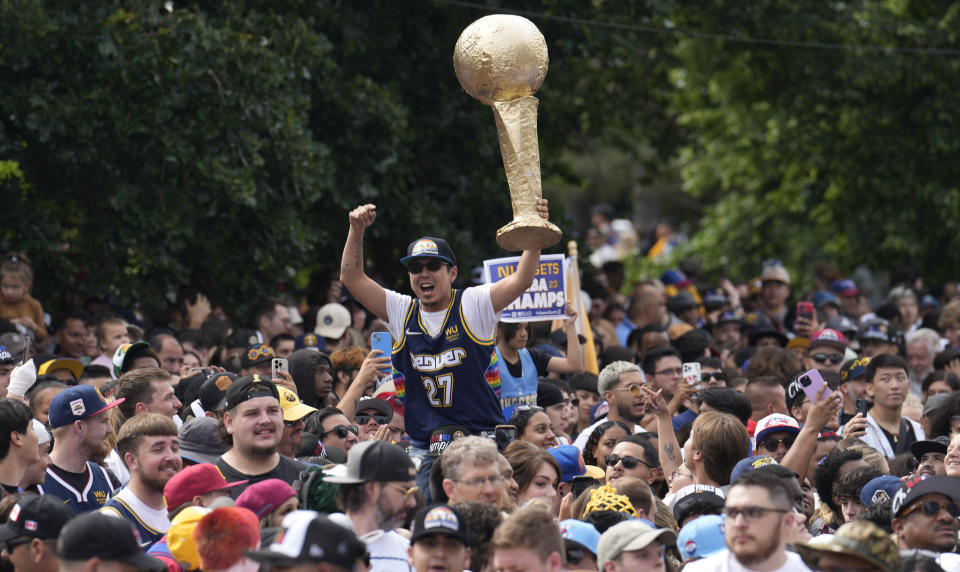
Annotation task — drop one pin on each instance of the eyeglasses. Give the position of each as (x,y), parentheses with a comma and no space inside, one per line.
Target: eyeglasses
(11,544)
(717,375)
(628,461)
(406,491)
(750,513)
(633,388)
(259,352)
(824,358)
(933,508)
(478,482)
(771,445)
(341,431)
(674,371)
(364,418)
(432,266)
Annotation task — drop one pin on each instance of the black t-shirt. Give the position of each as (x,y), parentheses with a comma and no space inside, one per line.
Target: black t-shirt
(10,489)
(76,480)
(540,360)
(287,470)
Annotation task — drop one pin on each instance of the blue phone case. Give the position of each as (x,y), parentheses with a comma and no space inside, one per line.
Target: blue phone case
(382,341)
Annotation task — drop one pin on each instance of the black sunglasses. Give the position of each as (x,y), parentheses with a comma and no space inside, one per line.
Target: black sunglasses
(364,418)
(771,445)
(824,358)
(628,461)
(574,555)
(417,267)
(341,431)
(932,508)
(717,375)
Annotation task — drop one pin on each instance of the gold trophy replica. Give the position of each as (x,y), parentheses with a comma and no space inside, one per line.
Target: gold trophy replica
(501,60)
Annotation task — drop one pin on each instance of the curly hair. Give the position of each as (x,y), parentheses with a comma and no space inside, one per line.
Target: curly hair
(590,449)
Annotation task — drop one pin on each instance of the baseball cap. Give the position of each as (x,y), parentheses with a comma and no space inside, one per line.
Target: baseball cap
(844,287)
(728,317)
(581,533)
(126,353)
(310,341)
(821,298)
(876,329)
(43,436)
(213,392)
(379,405)
(548,395)
(774,272)
(766,332)
(861,539)
(243,338)
(701,537)
(854,369)
(842,324)
(570,459)
(750,464)
(193,481)
(36,516)
(199,441)
(936,445)
(375,461)
(630,535)
(332,320)
(794,392)
(681,302)
(180,537)
(265,497)
(256,354)
(911,490)
(249,387)
(5,355)
(879,489)
(293,408)
(773,423)
(934,402)
(77,402)
(439,519)
(310,537)
(675,277)
(74,366)
(429,247)
(829,338)
(96,535)
(690,495)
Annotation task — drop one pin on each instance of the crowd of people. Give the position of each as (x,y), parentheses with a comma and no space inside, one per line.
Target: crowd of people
(729,427)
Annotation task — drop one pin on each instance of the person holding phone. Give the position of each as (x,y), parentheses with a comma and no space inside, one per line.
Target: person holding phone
(453,380)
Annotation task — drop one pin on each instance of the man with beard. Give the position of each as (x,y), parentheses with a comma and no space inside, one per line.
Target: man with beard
(759,512)
(925,513)
(253,425)
(149,446)
(294,411)
(376,493)
(619,383)
(79,425)
(930,454)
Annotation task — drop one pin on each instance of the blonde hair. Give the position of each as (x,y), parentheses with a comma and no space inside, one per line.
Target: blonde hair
(722,440)
(17,264)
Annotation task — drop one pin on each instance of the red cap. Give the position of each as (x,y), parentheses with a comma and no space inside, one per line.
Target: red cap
(265,497)
(195,480)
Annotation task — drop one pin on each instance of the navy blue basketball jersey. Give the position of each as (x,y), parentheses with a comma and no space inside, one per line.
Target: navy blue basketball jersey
(96,491)
(148,534)
(448,379)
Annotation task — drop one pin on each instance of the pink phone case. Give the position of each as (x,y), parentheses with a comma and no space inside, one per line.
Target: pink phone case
(811,382)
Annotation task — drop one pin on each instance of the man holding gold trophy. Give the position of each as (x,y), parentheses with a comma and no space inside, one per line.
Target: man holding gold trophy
(444,338)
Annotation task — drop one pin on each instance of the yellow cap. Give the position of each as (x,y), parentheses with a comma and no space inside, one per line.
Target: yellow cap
(180,539)
(293,408)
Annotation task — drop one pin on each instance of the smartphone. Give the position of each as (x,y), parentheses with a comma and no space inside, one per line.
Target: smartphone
(805,310)
(279,364)
(383,341)
(861,406)
(503,435)
(811,382)
(580,484)
(691,373)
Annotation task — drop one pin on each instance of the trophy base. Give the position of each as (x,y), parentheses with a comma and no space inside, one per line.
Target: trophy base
(528,234)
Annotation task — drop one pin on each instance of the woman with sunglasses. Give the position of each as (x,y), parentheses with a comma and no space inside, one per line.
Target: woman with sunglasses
(536,472)
(533,426)
(521,367)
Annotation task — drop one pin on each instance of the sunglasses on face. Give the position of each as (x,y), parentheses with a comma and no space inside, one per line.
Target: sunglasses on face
(933,508)
(771,445)
(628,461)
(341,431)
(417,267)
(824,358)
(364,418)
(717,375)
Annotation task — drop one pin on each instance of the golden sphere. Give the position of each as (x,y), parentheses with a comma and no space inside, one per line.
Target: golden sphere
(501,57)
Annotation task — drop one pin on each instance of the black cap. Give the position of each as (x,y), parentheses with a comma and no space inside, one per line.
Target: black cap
(309,537)
(375,462)
(935,445)
(548,394)
(376,404)
(915,488)
(429,247)
(256,355)
(199,442)
(249,387)
(96,535)
(213,392)
(36,516)
(439,519)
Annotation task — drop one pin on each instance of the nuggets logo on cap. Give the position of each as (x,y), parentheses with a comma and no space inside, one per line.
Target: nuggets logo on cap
(425,246)
(222,382)
(762,461)
(879,496)
(441,517)
(310,340)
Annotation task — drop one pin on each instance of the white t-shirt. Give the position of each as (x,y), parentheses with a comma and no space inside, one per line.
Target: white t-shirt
(388,551)
(117,467)
(155,519)
(726,562)
(584,435)
(475,303)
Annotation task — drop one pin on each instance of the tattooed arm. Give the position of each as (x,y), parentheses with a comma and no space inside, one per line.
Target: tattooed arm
(352,273)
(670,455)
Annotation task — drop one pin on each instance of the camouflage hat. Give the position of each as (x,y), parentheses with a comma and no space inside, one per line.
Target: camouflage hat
(859,538)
